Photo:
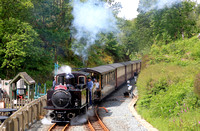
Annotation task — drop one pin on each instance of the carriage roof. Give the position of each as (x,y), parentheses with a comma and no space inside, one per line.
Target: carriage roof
(101,69)
(116,65)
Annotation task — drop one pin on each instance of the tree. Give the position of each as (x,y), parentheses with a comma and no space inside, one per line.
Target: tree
(52,21)
(173,23)
(20,46)
(17,38)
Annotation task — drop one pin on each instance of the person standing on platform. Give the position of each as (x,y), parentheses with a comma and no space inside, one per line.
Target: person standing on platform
(90,86)
(96,88)
(54,82)
(96,84)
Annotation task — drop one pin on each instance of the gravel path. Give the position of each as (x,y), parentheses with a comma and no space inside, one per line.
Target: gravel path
(119,117)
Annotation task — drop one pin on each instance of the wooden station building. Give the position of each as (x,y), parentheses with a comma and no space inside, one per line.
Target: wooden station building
(25,89)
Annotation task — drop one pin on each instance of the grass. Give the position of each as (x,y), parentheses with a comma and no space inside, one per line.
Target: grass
(166,86)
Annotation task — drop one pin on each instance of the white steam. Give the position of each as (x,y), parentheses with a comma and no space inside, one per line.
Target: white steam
(159,4)
(90,19)
(81,119)
(64,69)
(47,120)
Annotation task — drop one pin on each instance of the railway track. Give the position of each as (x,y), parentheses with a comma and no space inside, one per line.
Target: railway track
(95,123)
(59,127)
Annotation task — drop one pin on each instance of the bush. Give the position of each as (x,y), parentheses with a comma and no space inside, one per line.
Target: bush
(166,93)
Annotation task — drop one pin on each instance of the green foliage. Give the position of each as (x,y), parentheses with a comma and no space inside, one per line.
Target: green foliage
(167,92)
(49,84)
(16,9)
(174,23)
(52,21)
(182,52)
(17,36)
(165,25)
(20,45)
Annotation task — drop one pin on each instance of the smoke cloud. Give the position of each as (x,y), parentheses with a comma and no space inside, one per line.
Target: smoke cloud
(90,19)
(158,4)
(64,69)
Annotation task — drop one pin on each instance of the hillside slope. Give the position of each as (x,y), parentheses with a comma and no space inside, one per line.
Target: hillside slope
(167,95)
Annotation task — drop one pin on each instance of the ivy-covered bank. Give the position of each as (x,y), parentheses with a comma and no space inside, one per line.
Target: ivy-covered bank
(169,86)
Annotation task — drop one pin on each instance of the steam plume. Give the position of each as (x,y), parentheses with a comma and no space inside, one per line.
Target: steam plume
(90,19)
(64,69)
(158,4)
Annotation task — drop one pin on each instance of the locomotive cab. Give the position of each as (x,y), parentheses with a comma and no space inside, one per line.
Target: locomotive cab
(69,97)
(66,80)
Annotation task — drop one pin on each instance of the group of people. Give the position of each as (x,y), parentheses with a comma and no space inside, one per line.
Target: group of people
(92,85)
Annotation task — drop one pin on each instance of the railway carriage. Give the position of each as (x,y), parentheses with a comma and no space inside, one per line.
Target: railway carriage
(128,71)
(105,75)
(137,66)
(119,73)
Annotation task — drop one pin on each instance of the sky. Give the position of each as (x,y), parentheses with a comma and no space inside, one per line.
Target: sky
(129,8)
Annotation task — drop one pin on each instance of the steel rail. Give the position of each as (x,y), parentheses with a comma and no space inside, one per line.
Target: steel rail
(67,125)
(51,128)
(92,125)
(58,127)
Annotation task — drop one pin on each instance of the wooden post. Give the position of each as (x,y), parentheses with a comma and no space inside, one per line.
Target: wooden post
(10,92)
(28,92)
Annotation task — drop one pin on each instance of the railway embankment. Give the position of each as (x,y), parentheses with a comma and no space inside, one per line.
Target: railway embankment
(168,86)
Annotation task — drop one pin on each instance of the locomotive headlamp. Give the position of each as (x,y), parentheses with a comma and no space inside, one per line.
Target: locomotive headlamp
(76,102)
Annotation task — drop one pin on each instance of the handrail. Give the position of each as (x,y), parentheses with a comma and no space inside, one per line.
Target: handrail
(24,117)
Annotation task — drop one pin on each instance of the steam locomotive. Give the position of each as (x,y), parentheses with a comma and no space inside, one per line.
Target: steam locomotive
(70,96)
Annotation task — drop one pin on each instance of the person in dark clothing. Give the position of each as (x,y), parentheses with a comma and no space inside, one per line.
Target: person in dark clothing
(90,86)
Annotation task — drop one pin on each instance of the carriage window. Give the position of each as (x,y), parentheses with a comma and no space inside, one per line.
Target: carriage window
(103,80)
(109,77)
(81,80)
(106,79)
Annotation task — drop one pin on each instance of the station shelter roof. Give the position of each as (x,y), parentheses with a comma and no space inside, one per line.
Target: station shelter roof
(24,76)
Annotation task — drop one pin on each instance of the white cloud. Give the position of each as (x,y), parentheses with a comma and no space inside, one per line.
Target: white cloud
(129,8)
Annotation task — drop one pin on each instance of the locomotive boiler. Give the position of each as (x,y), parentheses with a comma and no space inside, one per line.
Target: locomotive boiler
(69,97)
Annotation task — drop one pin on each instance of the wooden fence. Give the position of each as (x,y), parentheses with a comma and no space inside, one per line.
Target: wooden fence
(24,117)
(17,104)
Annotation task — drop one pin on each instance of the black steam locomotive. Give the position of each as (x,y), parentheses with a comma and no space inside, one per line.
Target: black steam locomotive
(70,96)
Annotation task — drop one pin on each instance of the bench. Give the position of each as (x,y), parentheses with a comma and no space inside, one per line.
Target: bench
(2,118)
